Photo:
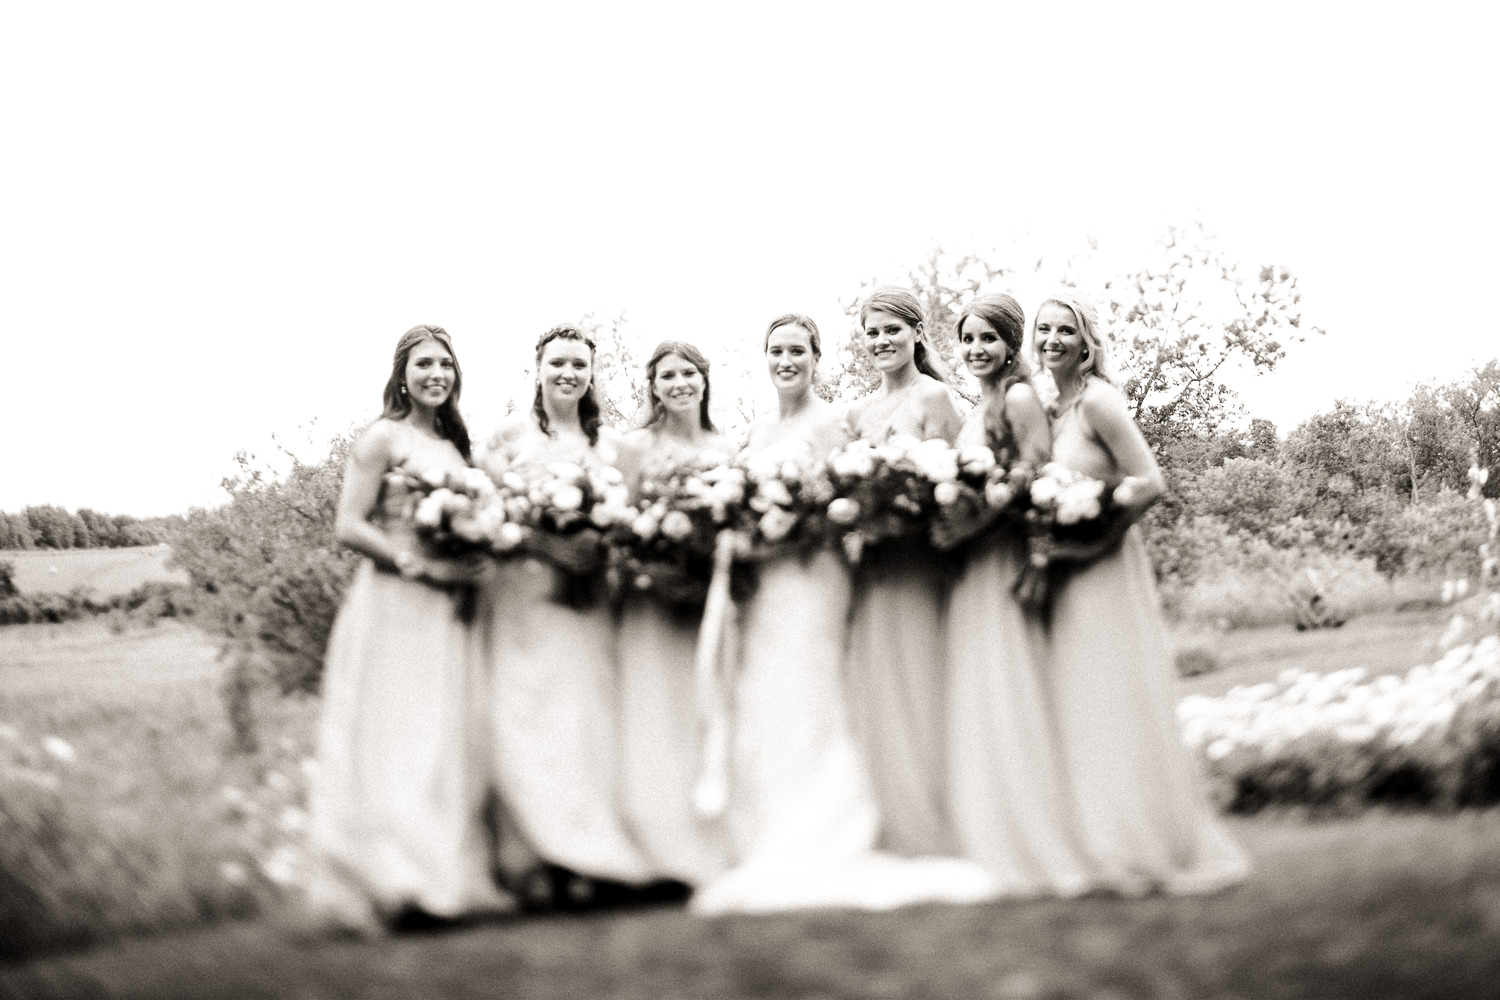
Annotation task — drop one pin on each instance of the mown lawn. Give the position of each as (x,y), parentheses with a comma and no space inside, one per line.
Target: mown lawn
(105,571)
(151,826)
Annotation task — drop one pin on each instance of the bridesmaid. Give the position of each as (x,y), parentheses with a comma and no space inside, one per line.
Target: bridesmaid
(660,737)
(1006,789)
(802,812)
(1139,812)
(552,703)
(896,656)
(398,805)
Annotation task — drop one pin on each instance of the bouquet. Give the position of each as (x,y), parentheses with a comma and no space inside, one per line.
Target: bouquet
(785,505)
(668,544)
(887,492)
(1068,515)
(458,514)
(568,510)
(990,489)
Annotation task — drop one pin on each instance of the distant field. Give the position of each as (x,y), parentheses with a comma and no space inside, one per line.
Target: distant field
(106,571)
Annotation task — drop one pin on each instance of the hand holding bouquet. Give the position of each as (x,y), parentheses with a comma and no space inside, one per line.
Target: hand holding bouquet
(1071,519)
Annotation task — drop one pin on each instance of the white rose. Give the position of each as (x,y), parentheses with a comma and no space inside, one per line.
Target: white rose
(644,524)
(976,460)
(570,471)
(936,461)
(429,512)
(1074,509)
(567,497)
(676,525)
(436,478)
(468,528)
(513,482)
(946,493)
(1045,490)
(775,491)
(776,524)
(998,494)
(509,535)
(843,510)
(609,475)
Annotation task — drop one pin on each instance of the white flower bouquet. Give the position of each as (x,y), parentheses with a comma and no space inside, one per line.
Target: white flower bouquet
(887,492)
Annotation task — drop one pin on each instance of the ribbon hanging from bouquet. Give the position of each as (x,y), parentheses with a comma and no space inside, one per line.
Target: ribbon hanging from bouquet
(711,669)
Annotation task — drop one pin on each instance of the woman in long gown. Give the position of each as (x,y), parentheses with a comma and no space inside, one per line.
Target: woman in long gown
(660,735)
(1139,811)
(553,712)
(1007,792)
(398,805)
(896,648)
(802,815)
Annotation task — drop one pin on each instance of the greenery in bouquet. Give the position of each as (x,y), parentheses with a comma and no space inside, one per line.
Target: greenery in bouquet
(1070,519)
(887,492)
(667,545)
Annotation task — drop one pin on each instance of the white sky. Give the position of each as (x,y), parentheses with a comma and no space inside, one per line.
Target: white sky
(216,220)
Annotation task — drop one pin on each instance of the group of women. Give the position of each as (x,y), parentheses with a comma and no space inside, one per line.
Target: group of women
(901,732)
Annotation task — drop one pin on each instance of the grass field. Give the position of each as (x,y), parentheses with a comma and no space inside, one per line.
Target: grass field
(105,571)
(147,824)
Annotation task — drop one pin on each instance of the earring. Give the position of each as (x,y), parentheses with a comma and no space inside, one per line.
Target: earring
(403,390)
(1085,354)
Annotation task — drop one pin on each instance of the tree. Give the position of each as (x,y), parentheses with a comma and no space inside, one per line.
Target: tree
(1475,405)
(619,382)
(1184,315)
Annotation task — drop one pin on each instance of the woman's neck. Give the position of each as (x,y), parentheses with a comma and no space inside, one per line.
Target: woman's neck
(1069,385)
(902,378)
(562,417)
(680,427)
(794,402)
(424,419)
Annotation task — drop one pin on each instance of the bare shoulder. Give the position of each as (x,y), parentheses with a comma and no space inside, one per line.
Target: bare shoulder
(382,443)
(1022,394)
(1102,403)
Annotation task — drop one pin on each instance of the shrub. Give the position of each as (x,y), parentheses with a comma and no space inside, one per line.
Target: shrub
(266,573)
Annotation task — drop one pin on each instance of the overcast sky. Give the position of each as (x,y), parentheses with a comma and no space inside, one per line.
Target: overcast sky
(216,220)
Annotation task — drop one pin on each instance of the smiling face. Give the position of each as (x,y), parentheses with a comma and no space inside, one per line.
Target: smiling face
(565,370)
(889,341)
(430,374)
(790,358)
(1058,340)
(678,385)
(984,350)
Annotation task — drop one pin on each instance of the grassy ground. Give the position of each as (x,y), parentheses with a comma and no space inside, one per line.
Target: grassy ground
(105,571)
(146,824)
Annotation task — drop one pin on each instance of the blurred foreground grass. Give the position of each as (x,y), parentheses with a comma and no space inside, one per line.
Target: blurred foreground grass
(139,821)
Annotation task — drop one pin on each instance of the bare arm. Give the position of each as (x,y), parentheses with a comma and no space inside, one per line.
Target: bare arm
(940,418)
(1104,410)
(373,455)
(1028,422)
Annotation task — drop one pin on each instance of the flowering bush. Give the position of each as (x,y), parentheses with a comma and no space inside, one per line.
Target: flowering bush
(1343,739)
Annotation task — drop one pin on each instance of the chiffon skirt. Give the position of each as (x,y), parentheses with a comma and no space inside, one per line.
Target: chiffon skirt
(897,693)
(1007,792)
(802,812)
(661,744)
(398,805)
(1140,813)
(553,714)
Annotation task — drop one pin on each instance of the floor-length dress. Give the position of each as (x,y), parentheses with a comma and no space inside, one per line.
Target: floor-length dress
(1007,791)
(661,734)
(398,802)
(554,717)
(895,674)
(802,811)
(1139,808)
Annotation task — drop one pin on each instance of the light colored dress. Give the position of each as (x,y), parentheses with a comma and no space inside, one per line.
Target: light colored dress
(895,676)
(553,708)
(1011,805)
(1139,810)
(661,733)
(398,802)
(802,811)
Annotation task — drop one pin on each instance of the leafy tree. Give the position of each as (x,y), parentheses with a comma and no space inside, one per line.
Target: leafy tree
(619,375)
(1185,314)
(1475,406)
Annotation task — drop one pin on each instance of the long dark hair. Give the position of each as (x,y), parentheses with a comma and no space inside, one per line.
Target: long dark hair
(1005,314)
(692,356)
(902,304)
(588,403)
(450,423)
